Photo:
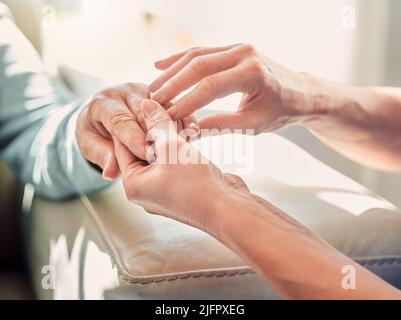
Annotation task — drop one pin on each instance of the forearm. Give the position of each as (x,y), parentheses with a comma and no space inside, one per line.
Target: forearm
(298,264)
(37,123)
(44,153)
(364,124)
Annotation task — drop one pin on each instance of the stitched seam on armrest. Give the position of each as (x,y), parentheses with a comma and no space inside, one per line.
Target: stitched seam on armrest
(194,276)
(125,275)
(362,261)
(385,260)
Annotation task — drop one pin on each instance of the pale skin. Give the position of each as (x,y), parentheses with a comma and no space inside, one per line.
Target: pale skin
(283,251)
(362,123)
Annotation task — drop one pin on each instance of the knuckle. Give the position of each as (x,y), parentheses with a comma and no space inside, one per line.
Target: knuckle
(194,52)
(108,92)
(95,104)
(156,120)
(209,83)
(236,181)
(255,67)
(239,180)
(172,82)
(119,120)
(198,64)
(121,89)
(248,49)
(130,86)
(136,87)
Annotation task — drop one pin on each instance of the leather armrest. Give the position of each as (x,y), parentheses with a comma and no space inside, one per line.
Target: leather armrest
(105,247)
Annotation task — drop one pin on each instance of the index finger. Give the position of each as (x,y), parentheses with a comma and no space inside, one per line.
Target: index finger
(167,62)
(209,89)
(177,62)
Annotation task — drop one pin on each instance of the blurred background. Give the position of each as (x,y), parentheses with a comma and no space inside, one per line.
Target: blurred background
(90,43)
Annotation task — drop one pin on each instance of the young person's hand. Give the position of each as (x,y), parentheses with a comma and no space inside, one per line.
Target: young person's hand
(180,183)
(272,95)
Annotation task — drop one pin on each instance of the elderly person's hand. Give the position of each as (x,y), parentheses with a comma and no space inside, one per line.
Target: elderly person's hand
(362,123)
(272,95)
(180,183)
(113,114)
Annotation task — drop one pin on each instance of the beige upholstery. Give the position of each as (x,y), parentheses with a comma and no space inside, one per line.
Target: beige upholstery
(104,247)
(27,15)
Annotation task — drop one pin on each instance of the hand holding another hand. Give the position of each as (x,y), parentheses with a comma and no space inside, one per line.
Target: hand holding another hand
(180,183)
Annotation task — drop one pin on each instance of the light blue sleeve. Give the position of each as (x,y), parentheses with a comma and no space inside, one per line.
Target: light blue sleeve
(37,123)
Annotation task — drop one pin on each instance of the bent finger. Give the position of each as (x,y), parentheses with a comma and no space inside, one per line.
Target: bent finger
(121,123)
(175,63)
(128,163)
(100,151)
(209,89)
(194,72)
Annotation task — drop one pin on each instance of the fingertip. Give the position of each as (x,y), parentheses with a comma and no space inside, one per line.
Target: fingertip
(107,176)
(111,170)
(149,107)
(161,65)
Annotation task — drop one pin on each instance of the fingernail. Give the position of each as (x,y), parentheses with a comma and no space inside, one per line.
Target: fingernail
(194,126)
(159,61)
(105,177)
(149,107)
(107,158)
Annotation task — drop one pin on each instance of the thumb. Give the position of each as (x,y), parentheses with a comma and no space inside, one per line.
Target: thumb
(225,121)
(160,128)
(155,116)
(158,123)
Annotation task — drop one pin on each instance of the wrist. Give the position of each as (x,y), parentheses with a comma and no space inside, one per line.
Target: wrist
(239,212)
(325,101)
(314,98)
(224,211)
(303,98)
